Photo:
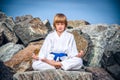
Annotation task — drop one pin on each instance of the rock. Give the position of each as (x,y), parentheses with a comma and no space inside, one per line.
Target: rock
(110,63)
(53,75)
(7,24)
(10,23)
(110,60)
(38,26)
(8,50)
(114,70)
(48,25)
(23,20)
(101,36)
(6,73)
(7,20)
(2,16)
(99,73)
(8,35)
(76,23)
(117,57)
(32,31)
(81,42)
(22,60)
(1,37)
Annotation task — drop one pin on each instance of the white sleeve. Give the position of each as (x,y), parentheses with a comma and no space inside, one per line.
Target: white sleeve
(45,49)
(72,48)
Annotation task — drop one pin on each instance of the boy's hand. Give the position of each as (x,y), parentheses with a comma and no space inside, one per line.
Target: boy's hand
(52,62)
(80,54)
(35,57)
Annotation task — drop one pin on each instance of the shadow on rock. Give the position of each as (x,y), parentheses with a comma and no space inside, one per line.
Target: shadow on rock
(6,73)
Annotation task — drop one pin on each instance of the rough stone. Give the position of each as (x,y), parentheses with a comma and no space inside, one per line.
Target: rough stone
(48,25)
(23,20)
(99,73)
(101,36)
(10,23)
(6,73)
(110,60)
(73,24)
(34,30)
(8,50)
(110,63)
(53,75)
(117,57)
(1,37)
(2,16)
(22,60)
(114,70)
(9,36)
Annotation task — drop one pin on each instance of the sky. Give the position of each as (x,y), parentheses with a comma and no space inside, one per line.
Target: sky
(93,11)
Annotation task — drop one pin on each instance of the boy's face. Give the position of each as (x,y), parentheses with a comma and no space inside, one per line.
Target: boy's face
(60,27)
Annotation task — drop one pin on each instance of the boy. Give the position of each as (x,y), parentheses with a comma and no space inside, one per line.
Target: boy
(59,49)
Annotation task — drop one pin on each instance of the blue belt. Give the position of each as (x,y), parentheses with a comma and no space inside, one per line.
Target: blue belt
(58,55)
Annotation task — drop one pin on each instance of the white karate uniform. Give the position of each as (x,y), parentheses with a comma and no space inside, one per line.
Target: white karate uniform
(64,43)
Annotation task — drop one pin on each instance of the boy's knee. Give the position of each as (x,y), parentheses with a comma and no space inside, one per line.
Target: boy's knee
(73,63)
(34,66)
(41,66)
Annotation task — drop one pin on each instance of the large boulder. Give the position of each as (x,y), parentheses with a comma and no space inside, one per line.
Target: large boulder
(23,20)
(76,23)
(105,48)
(22,60)
(101,35)
(99,73)
(1,36)
(6,73)
(53,75)
(8,34)
(8,50)
(30,30)
(2,16)
(7,24)
(48,25)
(110,60)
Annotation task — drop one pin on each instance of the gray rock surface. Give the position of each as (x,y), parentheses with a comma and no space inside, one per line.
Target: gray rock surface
(2,16)
(6,73)
(9,36)
(76,23)
(101,36)
(1,36)
(48,25)
(8,50)
(99,73)
(30,30)
(7,24)
(23,20)
(53,75)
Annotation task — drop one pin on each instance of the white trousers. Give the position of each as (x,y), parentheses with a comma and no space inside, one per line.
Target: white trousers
(74,63)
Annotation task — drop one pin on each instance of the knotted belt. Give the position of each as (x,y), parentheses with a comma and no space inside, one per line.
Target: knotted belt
(58,55)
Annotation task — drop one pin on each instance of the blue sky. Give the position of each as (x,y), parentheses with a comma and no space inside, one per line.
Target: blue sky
(93,11)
